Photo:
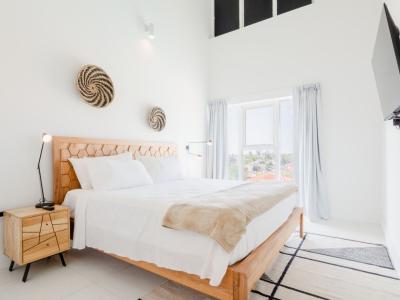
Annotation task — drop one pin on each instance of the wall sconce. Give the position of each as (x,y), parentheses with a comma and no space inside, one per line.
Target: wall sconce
(208,143)
(149,29)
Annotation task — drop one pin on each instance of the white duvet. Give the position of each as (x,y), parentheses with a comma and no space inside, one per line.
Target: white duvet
(128,223)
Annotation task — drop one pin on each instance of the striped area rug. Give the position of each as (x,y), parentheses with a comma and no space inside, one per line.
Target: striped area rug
(315,267)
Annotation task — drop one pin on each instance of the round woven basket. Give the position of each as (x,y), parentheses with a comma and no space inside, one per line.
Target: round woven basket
(95,86)
(157,119)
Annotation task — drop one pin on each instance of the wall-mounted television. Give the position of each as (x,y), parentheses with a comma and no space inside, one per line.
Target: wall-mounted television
(386,65)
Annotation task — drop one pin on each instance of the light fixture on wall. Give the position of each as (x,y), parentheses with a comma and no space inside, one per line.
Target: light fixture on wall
(149,29)
(46,138)
(208,143)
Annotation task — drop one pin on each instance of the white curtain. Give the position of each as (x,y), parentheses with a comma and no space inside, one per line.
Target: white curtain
(309,173)
(216,154)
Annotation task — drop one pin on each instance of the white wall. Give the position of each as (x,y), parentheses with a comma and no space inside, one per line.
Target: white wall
(391,220)
(329,42)
(43,45)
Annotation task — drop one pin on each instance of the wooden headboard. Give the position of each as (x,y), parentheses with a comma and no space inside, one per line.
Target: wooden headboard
(64,178)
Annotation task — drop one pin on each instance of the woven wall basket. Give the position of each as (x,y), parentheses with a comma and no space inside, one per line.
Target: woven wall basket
(95,86)
(157,119)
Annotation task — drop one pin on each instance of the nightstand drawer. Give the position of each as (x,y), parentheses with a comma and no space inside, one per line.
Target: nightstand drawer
(60,227)
(31,224)
(43,249)
(30,243)
(61,217)
(63,240)
(29,235)
(45,224)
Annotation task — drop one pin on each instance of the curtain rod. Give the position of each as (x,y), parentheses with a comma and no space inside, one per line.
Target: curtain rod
(260,101)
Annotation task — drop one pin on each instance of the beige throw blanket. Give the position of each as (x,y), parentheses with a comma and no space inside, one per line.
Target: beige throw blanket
(224,215)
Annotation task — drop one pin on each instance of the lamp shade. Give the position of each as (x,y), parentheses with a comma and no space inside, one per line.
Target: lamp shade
(46,138)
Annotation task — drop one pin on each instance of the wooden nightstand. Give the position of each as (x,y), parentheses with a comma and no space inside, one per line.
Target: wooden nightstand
(32,233)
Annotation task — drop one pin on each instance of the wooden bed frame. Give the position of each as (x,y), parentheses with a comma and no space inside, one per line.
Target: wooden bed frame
(239,279)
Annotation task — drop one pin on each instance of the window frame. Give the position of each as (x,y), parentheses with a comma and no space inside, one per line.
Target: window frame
(275,147)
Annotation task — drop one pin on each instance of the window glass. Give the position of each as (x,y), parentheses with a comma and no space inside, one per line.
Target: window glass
(259,126)
(259,165)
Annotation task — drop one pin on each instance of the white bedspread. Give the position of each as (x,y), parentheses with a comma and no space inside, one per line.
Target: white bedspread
(128,223)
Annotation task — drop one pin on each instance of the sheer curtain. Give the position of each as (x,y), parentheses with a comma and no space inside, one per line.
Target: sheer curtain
(216,154)
(309,173)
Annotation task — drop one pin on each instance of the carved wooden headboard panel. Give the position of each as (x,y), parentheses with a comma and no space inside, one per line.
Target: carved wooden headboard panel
(66,147)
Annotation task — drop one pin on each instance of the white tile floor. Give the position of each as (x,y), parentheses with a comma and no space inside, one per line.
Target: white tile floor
(92,275)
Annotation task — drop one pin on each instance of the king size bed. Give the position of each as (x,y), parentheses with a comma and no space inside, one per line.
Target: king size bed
(128,223)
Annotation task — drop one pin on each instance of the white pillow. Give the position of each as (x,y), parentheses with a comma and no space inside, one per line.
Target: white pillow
(81,171)
(162,169)
(109,175)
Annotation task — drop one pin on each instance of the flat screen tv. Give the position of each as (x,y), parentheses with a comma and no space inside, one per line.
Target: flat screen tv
(386,65)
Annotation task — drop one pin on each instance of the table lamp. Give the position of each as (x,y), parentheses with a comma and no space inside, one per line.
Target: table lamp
(46,138)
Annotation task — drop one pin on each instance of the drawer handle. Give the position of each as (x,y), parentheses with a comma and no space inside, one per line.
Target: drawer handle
(47,245)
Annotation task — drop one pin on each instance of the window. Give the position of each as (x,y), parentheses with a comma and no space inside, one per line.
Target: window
(260,140)
(226,16)
(256,11)
(230,15)
(288,5)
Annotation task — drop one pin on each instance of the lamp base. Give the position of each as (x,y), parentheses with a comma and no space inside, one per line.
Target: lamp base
(44,204)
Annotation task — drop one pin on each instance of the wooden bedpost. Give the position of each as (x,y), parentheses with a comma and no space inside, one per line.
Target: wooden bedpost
(302,225)
(248,271)
(240,288)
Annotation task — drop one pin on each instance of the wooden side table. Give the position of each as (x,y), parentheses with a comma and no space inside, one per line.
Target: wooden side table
(31,234)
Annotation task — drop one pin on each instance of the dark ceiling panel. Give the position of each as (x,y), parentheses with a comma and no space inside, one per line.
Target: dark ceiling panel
(288,5)
(226,16)
(256,11)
